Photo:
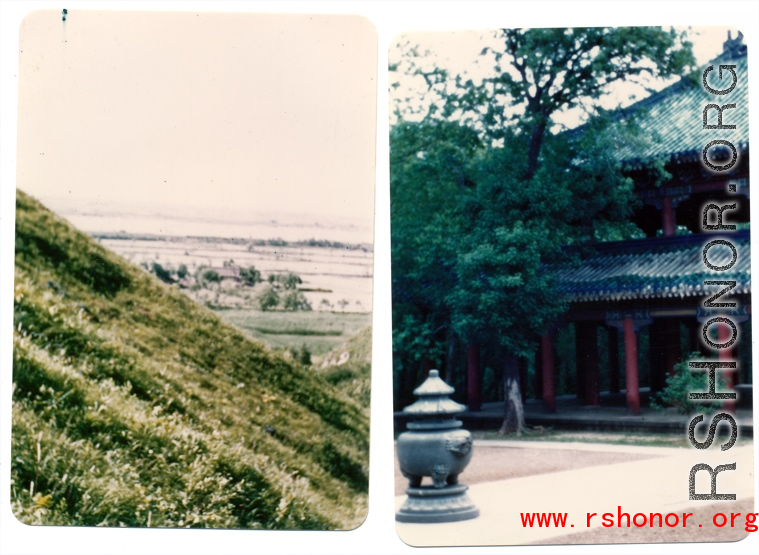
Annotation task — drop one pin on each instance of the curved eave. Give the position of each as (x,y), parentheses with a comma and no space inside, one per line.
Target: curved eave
(677,158)
(650,292)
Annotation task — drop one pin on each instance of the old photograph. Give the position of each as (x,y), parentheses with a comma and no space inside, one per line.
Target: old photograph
(192,327)
(571,321)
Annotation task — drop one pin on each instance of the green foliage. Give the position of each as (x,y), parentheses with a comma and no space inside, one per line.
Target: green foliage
(684,381)
(477,262)
(207,276)
(349,367)
(268,300)
(182,271)
(250,276)
(46,240)
(430,192)
(283,293)
(287,281)
(534,73)
(295,300)
(302,355)
(484,195)
(134,406)
(161,273)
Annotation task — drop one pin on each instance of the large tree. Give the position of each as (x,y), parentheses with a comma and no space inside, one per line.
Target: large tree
(513,199)
(429,166)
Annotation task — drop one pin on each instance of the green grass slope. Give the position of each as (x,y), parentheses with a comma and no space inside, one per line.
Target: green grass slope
(318,331)
(349,367)
(134,406)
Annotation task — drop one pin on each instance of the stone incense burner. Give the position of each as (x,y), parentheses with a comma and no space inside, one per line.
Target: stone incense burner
(436,446)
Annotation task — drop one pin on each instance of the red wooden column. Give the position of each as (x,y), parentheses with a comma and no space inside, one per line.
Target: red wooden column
(630,323)
(631,367)
(549,391)
(474,399)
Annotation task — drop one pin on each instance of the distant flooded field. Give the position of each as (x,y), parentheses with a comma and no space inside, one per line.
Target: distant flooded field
(332,255)
(210,222)
(340,276)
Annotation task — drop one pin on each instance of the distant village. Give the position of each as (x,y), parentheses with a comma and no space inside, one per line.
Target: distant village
(254,274)
(217,285)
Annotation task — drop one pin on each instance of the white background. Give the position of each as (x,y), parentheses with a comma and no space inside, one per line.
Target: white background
(377,535)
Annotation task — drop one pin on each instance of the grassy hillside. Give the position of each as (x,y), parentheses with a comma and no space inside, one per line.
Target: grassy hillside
(319,332)
(134,406)
(349,367)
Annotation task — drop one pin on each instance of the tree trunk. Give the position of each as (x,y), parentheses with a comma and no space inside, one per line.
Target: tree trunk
(450,356)
(513,410)
(536,142)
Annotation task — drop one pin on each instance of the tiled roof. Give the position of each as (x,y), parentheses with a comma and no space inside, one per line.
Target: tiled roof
(656,268)
(673,118)
(227,272)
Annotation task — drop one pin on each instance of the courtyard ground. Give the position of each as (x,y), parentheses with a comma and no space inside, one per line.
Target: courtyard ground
(510,477)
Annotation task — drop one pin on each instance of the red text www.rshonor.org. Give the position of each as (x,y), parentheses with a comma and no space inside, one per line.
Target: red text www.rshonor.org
(621,519)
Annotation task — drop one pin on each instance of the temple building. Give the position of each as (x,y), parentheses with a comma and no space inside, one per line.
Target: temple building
(657,283)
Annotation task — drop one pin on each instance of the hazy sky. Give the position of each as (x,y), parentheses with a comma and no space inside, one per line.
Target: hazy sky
(458,52)
(251,112)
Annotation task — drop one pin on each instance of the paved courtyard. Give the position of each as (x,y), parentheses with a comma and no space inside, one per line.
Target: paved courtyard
(507,478)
